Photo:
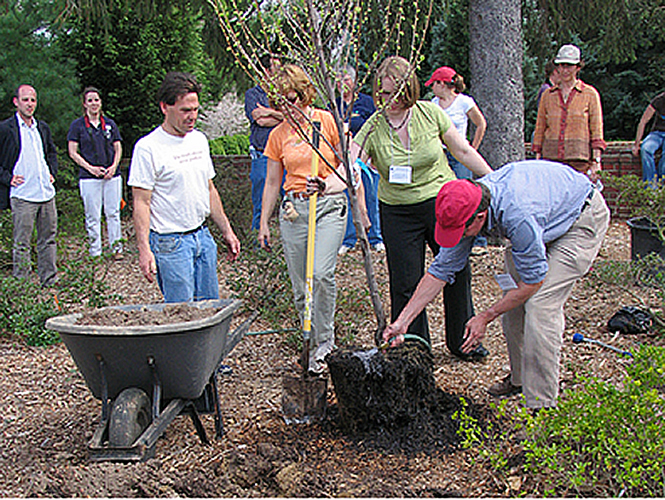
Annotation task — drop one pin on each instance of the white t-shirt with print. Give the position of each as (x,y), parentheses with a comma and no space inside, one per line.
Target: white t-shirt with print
(177,170)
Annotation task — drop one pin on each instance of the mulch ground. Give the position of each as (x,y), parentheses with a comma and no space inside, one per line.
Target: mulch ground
(48,414)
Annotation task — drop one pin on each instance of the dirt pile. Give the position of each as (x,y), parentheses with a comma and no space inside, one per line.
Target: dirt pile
(391,400)
(179,313)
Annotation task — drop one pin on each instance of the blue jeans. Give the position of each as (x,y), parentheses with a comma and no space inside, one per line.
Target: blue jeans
(460,171)
(186,265)
(370,180)
(257,176)
(650,145)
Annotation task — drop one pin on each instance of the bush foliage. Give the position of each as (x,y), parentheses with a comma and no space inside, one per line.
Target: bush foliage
(602,440)
(229,145)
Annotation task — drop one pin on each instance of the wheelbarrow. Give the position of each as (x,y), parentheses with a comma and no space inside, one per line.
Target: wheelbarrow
(145,376)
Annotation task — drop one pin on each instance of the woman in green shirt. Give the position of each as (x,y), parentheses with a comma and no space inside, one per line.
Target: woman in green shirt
(403,139)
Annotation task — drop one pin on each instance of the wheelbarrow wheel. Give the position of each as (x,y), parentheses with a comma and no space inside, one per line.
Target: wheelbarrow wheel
(130,416)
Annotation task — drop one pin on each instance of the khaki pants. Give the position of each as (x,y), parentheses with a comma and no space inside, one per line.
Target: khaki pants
(534,331)
(25,215)
(331,213)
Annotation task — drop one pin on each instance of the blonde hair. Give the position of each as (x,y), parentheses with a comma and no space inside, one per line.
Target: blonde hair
(291,77)
(399,70)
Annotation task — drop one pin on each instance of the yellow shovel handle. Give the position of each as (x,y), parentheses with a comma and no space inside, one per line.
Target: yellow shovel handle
(311,237)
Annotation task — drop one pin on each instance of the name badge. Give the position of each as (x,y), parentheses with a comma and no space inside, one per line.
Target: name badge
(399,174)
(505,281)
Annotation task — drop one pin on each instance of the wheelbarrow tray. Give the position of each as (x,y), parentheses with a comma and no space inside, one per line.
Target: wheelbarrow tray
(183,355)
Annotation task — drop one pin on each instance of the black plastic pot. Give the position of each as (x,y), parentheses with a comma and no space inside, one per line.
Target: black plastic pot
(644,238)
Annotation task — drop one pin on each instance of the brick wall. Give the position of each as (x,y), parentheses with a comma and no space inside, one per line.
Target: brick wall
(617,160)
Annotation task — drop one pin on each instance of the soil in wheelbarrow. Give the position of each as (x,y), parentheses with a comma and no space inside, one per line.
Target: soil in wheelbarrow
(177,313)
(390,399)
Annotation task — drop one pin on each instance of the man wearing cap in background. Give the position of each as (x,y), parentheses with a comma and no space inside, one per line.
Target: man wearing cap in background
(569,127)
(555,220)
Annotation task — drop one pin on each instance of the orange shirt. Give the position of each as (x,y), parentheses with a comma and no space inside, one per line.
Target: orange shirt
(286,146)
(569,130)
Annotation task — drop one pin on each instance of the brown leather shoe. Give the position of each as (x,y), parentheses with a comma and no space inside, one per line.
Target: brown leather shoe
(504,388)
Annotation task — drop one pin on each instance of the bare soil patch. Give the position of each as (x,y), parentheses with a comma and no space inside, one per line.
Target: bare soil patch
(49,414)
(179,313)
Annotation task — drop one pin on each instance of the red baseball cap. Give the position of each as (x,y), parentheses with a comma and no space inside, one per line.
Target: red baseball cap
(442,74)
(455,204)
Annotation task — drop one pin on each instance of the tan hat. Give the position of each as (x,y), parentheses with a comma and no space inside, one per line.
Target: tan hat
(568,54)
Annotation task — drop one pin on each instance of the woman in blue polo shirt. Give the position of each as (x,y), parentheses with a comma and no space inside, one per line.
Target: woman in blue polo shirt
(94,145)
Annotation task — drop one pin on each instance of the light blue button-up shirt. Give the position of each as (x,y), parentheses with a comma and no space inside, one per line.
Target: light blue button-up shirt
(31,164)
(533,203)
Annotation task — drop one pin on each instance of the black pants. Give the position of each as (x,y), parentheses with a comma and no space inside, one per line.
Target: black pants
(406,230)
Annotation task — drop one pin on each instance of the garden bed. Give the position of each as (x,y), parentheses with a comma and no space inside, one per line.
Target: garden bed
(49,414)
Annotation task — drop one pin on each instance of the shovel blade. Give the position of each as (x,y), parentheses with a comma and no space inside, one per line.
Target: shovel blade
(303,398)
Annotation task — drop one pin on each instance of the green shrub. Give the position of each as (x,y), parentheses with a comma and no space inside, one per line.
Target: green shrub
(82,279)
(217,147)
(601,440)
(24,308)
(261,280)
(228,145)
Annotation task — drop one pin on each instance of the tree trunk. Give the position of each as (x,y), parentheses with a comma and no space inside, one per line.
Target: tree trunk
(495,59)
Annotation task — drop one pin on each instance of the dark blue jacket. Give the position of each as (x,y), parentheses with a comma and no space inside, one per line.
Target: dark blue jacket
(10,148)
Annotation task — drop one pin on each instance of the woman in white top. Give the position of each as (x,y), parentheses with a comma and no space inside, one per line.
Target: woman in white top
(448,86)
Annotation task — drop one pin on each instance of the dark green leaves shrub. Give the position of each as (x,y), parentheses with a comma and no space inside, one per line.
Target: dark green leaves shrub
(229,145)
(24,308)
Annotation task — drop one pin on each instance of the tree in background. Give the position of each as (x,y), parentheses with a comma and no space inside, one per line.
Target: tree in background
(128,62)
(450,39)
(495,60)
(30,53)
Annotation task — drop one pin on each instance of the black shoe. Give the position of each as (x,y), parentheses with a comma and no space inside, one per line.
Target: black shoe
(478,354)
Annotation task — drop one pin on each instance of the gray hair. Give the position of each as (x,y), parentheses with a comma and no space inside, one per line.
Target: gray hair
(348,70)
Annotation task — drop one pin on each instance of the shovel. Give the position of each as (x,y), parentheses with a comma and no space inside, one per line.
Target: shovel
(304,397)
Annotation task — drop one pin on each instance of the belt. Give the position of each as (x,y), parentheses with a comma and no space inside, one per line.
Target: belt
(192,231)
(185,233)
(298,195)
(587,200)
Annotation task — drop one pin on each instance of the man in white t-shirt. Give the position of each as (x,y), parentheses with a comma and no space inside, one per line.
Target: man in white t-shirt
(171,177)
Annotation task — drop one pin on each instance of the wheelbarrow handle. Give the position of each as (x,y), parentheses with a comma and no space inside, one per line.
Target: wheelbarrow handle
(237,335)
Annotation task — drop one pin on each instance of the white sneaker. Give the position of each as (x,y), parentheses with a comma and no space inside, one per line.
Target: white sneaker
(343,249)
(317,361)
(379,247)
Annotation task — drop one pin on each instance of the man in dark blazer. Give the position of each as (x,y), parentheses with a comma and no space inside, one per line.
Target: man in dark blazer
(28,164)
